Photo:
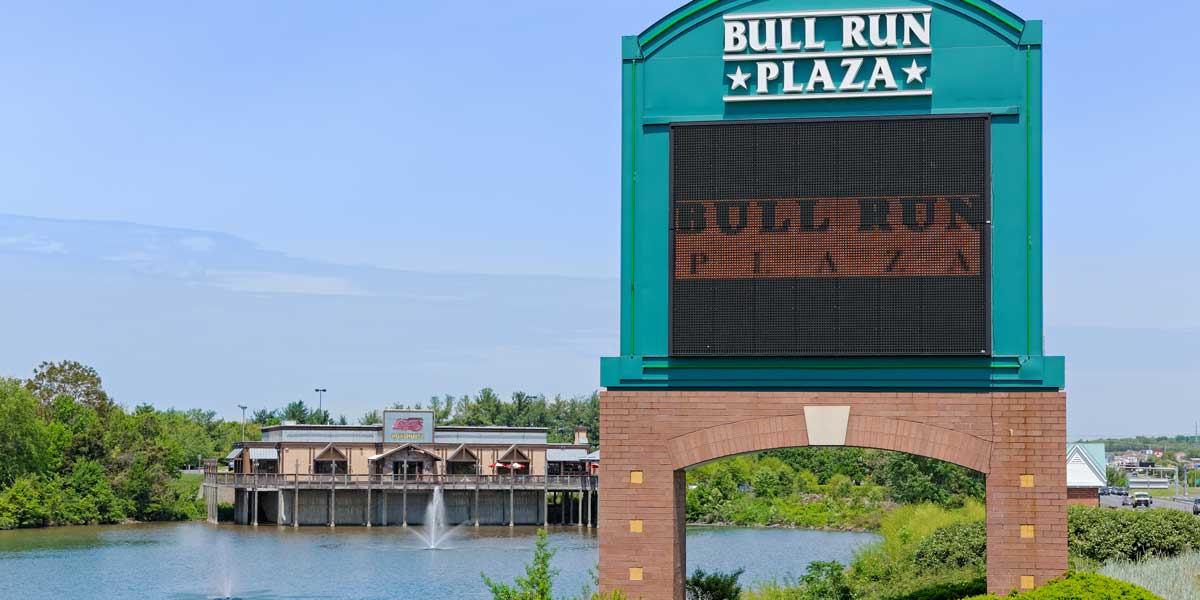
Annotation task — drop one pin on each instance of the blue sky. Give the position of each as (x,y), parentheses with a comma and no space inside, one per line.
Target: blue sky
(394,200)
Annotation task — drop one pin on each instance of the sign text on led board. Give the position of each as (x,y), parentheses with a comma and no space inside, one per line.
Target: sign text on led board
(827,54)
(830,237)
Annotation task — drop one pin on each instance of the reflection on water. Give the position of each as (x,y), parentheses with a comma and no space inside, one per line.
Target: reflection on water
(190,561)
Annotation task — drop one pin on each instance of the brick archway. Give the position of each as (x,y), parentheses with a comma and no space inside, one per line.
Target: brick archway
(648,438)
(863,431)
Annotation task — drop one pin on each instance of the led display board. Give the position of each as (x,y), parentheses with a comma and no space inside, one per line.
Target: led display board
(831,237)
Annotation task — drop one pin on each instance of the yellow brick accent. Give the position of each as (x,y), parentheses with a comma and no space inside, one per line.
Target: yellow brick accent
(1027,582)
(635,573)
(1027,532)
(1027,481)
(635,477)
(635,526)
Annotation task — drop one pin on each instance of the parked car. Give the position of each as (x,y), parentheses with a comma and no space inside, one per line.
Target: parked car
(1104,491)
(1121,491)
(1196,506)
(1142,499)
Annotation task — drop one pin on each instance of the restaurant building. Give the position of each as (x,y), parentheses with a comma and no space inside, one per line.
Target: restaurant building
(387,474)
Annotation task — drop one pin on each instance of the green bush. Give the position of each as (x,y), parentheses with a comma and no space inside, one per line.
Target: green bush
(714,586)
(954,546)
(225,512)
(23,504)
(536,584)
(949,590)
(1101,534)
(1082,586)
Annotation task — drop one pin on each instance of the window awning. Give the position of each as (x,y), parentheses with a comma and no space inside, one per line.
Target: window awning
(463,454)
(264,454)
(236,452)
(514,454)
(330,452)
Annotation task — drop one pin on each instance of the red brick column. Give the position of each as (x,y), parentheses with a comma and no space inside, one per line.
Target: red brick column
(1027,491)
(649,437)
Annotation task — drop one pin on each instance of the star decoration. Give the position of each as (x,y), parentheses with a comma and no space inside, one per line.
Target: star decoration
(739,79)
(914,73)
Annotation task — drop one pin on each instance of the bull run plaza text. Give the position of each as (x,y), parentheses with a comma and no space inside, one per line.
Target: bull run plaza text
(823,54)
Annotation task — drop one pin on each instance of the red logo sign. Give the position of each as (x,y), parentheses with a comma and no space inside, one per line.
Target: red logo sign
(409,424)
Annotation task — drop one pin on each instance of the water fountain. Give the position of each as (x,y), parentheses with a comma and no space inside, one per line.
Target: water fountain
(436,529)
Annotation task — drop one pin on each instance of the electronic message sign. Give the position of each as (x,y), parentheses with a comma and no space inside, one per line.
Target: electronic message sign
(830,237)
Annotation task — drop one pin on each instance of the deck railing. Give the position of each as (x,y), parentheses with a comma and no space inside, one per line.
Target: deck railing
(275,480)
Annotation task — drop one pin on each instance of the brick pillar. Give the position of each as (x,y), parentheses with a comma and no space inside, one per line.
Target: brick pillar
(641,526)
(1027,491)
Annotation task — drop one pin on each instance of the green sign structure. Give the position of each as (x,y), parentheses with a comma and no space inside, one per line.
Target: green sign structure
(833,194)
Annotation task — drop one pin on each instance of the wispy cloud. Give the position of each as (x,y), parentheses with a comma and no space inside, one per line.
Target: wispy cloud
(32,243)
(265,282)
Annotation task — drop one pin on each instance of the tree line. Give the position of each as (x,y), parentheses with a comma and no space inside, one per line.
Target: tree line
(72,455)
(560,416)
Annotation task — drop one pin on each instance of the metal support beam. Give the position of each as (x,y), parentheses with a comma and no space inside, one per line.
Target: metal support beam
(296,496)
(404,499)
(332,502)
(511,517)
(385,497)
(368,500)
(579,517)
(279,507)
(254,505)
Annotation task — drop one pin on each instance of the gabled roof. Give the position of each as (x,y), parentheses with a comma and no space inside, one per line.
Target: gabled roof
(404,447)
(514,454)
(462,454)
(1083,469)
(333,451)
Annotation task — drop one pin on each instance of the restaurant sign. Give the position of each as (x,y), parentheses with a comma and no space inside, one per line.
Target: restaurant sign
(882,52)
(408,426)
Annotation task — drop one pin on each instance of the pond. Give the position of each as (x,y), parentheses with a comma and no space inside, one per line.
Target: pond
(198,560)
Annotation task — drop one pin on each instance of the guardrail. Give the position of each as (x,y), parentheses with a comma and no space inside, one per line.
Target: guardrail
(277,480)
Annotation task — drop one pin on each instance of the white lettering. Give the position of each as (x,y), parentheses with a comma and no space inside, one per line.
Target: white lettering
(789,78)
(882,73)
(767,72)
(785,35)
(810,35)
(852,32)
(820,75)
(735,36)
(852,66)
(878,40)
(766,44)
(911,27)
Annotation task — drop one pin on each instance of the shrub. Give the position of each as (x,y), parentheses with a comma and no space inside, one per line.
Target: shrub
(1080,586)
(225,512)
(1102,535)
(954,546)
(826,581)
(538,580)
(714,586)
(950,590)
(23,504)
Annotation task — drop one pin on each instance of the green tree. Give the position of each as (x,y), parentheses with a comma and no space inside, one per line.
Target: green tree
(915,479)
(23,438)
(69,378)
(701,585)
(296,412)
(371,417)
(1116,477)
(538,581)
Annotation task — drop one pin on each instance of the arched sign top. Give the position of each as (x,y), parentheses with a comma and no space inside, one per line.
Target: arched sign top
(1002,22)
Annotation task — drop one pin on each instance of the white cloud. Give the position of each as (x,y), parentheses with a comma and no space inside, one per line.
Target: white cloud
(266,282)
(33,243)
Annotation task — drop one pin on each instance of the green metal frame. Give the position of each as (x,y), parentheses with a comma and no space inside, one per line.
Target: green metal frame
(986,60)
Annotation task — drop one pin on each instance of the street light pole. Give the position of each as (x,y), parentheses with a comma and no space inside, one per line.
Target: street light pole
(320,400)
(243,421)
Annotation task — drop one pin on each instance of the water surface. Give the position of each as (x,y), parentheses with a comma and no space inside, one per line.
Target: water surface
(188,561)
